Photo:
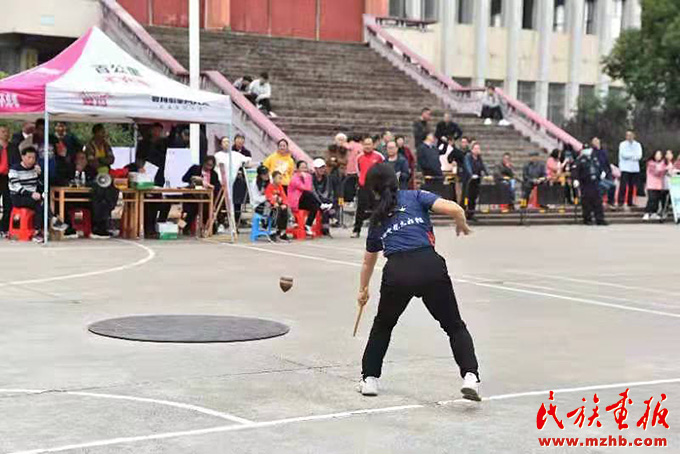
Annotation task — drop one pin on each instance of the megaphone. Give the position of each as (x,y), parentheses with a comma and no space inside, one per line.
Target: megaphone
(104,180)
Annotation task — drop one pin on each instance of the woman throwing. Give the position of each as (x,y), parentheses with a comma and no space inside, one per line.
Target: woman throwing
(401,228)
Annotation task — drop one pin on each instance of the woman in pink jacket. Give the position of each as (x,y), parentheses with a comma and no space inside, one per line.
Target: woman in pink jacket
(656,172)
(301,195)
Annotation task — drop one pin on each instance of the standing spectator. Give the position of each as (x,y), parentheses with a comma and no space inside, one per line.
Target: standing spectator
(210,180)
(554,168)
(458,155)
(587,175)
(475,167)
(421,127)
(446,130)
(491,108)
(368,158)
(66,140)
(98,150)
(237,180)
(506,177)
(382,147)
(656,173)
(406,153)
(533,174)
(240,145)
(607,184)
(430,166)
(27,129)
(37,141)
(354,150)
(243,83)
(669,160)
(276,196)
(301,196)
(325,190)
(4,180)
(260,94)
(281,161)
(398,163)
(153,149)
(630,154)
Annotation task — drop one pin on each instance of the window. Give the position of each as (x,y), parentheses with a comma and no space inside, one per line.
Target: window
(529,15)
(494,83)
(398,8)
(526,92)
(589,17)
(556,103)
(464,81)
(586,91)
(617,19)
(560,17)
(465,11)
(429,10)
(496,19)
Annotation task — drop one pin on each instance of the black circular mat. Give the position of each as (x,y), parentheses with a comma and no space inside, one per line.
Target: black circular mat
(188,328)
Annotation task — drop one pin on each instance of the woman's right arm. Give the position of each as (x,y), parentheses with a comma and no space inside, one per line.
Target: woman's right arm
(453,210)
(370,259)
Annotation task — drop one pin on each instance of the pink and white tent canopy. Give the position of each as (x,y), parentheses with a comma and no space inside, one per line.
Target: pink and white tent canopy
(95,80)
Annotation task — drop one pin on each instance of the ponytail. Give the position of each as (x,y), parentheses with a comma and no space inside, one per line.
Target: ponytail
(382,182)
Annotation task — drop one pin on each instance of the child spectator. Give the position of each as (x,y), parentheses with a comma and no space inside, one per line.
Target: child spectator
(276,196)
(656,172)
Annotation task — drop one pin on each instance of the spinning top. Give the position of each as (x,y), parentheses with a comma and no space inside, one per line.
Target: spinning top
(286,283)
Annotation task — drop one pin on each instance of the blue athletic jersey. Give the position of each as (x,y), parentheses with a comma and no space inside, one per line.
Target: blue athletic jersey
(408,228)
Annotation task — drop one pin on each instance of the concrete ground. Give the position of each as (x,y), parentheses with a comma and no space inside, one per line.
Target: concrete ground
(574,310)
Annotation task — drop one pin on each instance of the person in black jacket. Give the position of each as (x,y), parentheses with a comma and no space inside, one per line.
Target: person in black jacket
(447,130)
(476,169)
(65,140)
(210,180)
(458,155)
(587,174)
(430,165)
(153,148)
(399,164)
(421,127)
(607,185)
(27,130)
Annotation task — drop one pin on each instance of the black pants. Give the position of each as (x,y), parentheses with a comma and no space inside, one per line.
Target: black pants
(591,203)
(472,195)
(363,206)
(654,198)
(628,184)
(280,217)
(6,203)
(422,274)
(104,201)
(239,191)
(349,190)
(495,113)
(265,103)
(309,203)
(26,201)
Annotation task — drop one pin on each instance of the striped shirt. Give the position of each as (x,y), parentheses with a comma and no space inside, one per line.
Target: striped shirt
(23,181)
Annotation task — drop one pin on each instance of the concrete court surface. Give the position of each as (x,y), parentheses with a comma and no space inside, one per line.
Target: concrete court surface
(571,309)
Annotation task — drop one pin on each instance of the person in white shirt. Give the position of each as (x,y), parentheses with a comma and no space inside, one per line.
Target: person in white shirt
(491,108)
(260,93)
(630,154)
(229,164)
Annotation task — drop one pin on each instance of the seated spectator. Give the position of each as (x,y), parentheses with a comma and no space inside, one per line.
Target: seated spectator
(506,176)
(98,150)
(240,145)
(229,166)
(533,174)
(65,140)
(491,108)
(205,176)
(243,83)
(406,153)
(656,173)
(301,196)
(281,161)
(476,169)
(260,93)
(325,190)
(25,186)
(554,168)
(398,163)
(261,182)
(276,196)
(446,130)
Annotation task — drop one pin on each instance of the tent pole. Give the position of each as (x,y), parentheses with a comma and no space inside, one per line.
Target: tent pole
(46,176)
(194,74)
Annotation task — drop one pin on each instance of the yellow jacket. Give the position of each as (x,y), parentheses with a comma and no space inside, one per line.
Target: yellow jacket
(283,163)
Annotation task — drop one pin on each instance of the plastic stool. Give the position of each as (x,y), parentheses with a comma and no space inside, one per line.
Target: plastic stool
(21,224)
(81,220)
(257,231)
(299,232)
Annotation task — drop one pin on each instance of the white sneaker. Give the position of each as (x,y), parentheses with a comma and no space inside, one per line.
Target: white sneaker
(273,115)
(368,386)
(645,217)
(470,387)
(58,225)
(326,206)
(656,217)
(488,122)
(309,231)
(504,122)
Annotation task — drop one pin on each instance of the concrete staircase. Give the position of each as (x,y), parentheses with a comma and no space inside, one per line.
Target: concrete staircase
(322,88)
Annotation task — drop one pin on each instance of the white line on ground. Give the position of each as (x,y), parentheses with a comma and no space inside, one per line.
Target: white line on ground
(150,254)
(38,248)
(479,284)
(168,403)
(325,417)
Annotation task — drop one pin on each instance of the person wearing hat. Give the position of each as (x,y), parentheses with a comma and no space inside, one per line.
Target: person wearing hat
(326,192)
(533,174)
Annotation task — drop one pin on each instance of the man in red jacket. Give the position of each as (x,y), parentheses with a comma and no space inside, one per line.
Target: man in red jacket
(365,161)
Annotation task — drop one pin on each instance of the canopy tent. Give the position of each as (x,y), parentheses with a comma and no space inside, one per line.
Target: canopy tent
(94,80)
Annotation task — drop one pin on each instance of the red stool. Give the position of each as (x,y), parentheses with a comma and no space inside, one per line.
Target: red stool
(299,232)
(21,224)
(81,220)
